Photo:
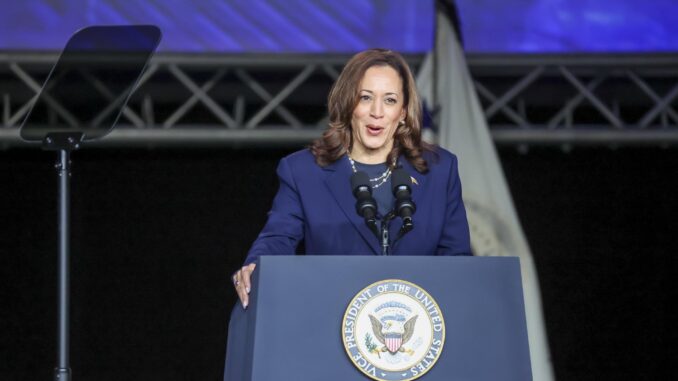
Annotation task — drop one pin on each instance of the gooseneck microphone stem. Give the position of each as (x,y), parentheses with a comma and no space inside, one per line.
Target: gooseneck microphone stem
(384,241)
(385,235)
(407,226)
(372,225)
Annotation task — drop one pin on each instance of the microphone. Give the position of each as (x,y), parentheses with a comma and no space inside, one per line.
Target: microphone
(401,185)
(365,205)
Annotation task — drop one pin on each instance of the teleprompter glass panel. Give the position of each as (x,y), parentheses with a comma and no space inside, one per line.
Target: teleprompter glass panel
(91,82)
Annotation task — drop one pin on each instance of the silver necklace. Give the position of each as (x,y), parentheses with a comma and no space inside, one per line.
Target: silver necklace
(377,181)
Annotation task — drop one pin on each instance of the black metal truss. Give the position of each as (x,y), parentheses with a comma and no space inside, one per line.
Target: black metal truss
(186,100)
(613,100)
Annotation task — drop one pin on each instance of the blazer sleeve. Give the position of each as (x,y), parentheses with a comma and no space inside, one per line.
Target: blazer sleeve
(455,239)
(284,228)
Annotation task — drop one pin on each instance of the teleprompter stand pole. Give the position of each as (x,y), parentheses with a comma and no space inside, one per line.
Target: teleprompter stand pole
(63,143)
(120,53)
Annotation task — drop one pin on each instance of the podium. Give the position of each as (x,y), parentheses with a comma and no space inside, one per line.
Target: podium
(293,328)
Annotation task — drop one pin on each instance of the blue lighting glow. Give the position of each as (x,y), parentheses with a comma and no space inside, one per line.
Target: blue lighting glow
(330,26)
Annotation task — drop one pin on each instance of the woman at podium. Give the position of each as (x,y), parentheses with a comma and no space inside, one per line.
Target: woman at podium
(375,122)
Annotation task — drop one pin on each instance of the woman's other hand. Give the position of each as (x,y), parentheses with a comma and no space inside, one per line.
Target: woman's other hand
(242,284)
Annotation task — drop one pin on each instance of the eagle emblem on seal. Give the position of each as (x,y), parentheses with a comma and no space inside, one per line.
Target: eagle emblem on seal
(393,333)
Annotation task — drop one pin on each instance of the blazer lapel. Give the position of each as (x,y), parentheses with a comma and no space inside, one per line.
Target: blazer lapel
(338,181)
(418,181)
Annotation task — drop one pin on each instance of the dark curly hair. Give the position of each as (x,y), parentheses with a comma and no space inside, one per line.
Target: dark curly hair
(337,139)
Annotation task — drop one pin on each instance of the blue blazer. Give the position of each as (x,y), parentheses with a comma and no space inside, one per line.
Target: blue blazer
(316,204)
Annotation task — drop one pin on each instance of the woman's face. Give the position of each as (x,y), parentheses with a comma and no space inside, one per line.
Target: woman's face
(376,117)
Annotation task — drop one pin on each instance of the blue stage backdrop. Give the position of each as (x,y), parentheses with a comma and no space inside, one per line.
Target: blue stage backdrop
(320,26)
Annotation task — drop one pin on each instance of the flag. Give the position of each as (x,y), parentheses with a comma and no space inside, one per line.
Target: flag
(445,84)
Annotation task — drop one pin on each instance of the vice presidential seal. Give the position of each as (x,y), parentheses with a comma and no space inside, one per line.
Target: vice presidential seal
(393,330)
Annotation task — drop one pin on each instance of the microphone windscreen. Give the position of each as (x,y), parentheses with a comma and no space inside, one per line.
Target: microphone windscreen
(359,179)
(400,177)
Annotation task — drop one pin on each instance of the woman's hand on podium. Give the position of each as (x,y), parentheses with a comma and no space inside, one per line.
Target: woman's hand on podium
(241,282)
